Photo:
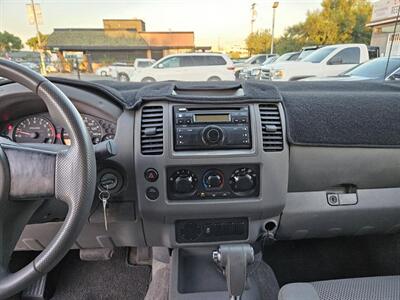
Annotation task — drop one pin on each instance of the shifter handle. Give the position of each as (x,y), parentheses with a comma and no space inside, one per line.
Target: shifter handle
(234,259)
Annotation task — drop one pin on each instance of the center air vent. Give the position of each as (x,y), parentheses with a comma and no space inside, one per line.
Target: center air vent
(271,128)
(152,130)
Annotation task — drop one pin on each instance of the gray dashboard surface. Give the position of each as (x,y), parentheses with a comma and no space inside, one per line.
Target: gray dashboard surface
(342,114)
(339,114)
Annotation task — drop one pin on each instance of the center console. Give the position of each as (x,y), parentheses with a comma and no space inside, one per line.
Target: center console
(209,174)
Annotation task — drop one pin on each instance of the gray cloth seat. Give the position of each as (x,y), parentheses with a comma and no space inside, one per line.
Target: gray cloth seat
(366,288)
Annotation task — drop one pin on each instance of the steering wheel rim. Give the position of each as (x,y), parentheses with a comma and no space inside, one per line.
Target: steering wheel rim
(74,181)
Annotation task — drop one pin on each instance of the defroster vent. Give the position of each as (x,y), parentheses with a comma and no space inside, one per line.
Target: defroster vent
(271,127)
(152,130)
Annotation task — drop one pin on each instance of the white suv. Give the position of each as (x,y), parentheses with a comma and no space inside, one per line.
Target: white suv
(189,67)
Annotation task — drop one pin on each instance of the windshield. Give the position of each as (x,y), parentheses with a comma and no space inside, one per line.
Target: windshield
(284,57)
(375,68)
(303,54)
(249,60)
(270,60)
(101,40)
(319,55)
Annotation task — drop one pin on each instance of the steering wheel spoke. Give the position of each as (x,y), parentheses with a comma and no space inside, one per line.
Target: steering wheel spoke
(32,171)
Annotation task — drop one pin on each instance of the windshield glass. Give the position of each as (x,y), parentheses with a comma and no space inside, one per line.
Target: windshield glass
(249,60)
(319,55)
(143,41)
(270,60)
(284,57)
(303,54)
(375,68)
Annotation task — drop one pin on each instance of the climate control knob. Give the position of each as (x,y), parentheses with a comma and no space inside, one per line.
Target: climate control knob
(213,179)
(243,180)
(183,182)
(212,135)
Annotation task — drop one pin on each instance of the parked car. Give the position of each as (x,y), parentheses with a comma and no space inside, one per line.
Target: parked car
(255,60)
(370,70)
(188,66)
(122,72)
(30,65)
(103,71)
(106,70)
(239,60)
(374,52)
(327,61)
(51,68)
(253,72)
(264,71)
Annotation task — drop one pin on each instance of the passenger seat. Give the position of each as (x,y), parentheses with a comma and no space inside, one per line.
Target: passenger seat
(366,288)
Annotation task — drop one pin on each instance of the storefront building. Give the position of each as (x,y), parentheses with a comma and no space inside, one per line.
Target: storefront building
(121,40)
(383,21)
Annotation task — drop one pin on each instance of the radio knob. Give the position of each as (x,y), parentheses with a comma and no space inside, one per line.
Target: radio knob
(242,180)
(212,135)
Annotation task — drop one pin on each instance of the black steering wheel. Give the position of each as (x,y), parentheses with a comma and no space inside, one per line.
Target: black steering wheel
(31,173)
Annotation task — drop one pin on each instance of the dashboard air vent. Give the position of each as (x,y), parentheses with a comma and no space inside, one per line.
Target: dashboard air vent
(271,127)
(152,130)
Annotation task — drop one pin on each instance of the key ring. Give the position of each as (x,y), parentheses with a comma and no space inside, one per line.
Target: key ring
(101,189)
(104,195)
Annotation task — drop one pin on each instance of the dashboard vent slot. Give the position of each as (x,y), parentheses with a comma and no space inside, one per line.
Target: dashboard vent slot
(271,128)
(152,130)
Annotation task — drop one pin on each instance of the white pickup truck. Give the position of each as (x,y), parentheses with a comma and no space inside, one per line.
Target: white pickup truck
(121,72)
(327,61)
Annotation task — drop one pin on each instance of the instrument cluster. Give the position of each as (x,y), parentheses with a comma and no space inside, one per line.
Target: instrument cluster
(39,128)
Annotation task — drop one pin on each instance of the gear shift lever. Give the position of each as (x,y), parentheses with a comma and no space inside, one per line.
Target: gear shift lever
(233,259)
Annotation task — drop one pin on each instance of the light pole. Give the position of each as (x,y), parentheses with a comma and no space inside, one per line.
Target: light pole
(274,6)
(253,16)
(42,64)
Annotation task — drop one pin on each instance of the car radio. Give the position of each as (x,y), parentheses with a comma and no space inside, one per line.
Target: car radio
(198,128)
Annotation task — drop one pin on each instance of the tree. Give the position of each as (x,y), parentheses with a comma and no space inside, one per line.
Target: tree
(338,21)
(258,42)
(292,39)
(8,42)
(33,41)
(234,54)
(287,43)
(320,30)
(361,33)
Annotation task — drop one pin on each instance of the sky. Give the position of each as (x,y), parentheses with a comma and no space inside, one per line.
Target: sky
(214,22)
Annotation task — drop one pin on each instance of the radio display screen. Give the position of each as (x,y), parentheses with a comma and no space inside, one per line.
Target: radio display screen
(200,118)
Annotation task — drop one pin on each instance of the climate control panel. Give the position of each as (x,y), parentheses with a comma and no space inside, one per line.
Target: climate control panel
(213,182)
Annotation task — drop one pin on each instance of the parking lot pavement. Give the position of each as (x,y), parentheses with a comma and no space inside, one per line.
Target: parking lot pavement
(84,76)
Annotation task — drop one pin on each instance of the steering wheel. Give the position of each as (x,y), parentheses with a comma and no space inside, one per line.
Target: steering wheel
(31,173)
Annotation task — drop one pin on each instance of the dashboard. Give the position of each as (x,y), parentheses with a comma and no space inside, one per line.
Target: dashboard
(39,128)
(190,173)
